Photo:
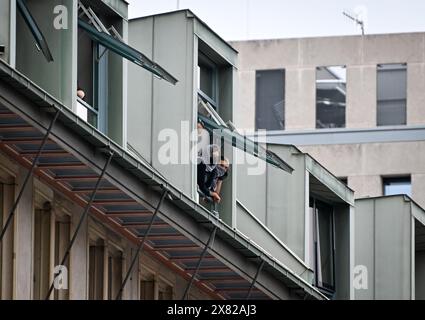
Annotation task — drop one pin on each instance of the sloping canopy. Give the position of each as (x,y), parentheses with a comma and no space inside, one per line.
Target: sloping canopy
(35,30)
(245,144)
(126,51)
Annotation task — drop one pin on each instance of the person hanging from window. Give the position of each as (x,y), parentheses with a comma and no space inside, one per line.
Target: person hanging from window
(211,172)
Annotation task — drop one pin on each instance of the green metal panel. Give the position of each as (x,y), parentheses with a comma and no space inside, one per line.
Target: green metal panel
(286,200)
(140,102)
(56,77)
(257,233)
(5,16)
(35,30)
(364,246)
(126,52)
(392,248)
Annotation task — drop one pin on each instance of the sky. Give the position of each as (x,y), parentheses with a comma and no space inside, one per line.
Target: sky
(268,19)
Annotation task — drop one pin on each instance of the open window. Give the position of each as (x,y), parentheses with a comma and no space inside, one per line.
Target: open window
(324,245)
(207,80)
(39,38)
(98,41)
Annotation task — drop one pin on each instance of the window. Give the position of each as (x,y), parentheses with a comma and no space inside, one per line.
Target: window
(401,185)
(165,291)
(391,94)
(270,100)
(96,269)
(330,97)
(208,80)
(114,273)
(7,198)
(41,266)
(62,237)
(147,289)
(324,244)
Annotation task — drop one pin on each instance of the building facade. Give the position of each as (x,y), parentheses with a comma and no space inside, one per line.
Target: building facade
(88,209)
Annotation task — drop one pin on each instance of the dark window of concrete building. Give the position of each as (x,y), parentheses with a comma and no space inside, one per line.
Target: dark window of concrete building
(331,92)
(41,266)
(115,261)
(399,185)
(391,94)
(270,99)
(96,269)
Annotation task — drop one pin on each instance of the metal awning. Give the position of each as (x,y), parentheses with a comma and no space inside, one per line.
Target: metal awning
(127,197)
(245,144)
(126,51)
(35,30)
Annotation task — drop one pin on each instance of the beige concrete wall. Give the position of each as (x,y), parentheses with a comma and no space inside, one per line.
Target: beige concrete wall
(365,164)
(360,54)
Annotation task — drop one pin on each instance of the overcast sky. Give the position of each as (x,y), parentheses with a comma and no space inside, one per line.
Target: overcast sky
(265,19)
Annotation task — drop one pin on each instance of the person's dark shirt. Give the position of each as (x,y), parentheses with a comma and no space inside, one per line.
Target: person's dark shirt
(207,180)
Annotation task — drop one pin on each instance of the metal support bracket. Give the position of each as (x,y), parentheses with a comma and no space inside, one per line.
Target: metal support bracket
(260,267)
(210,240)
(82,219)
(140,247)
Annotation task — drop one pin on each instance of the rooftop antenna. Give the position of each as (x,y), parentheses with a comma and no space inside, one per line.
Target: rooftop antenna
(358,21)
(178,4)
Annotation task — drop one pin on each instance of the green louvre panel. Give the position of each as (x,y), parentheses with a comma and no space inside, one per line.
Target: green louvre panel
(35,30)
(126,51)
(245,144)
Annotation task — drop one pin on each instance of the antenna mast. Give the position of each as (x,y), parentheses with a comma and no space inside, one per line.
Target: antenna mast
(356,20)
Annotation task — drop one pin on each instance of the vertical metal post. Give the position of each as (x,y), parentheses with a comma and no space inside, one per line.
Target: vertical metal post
(82,218)
(211,238)
(34,164)
(140,247)
(260,267)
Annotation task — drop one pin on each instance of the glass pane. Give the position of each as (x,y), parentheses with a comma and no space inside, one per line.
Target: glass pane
(330,97)
(393,186)
(270,100)
(206,82)
(391,92)
(325,239)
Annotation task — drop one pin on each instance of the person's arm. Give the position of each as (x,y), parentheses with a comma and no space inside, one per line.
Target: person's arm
(219,184)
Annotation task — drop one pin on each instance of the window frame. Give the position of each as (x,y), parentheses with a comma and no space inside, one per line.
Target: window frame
(386,180)
(328,289)
(214,100)
(316,100)
(405,65)
(283,70)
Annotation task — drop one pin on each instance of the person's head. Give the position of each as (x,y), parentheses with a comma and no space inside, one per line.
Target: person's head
(80,93)
(223,167)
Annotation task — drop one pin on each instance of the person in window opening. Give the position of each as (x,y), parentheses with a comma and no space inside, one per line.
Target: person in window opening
(80,92)
(211,172)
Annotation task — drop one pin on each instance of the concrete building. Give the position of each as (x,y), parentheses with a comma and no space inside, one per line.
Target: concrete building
(86,200)
(355,103)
